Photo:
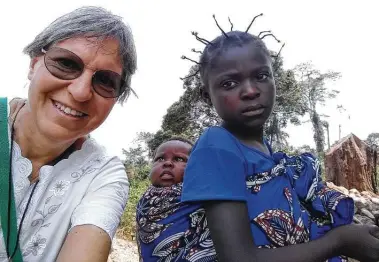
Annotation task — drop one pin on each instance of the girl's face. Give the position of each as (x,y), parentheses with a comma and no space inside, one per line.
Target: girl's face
(169,163)
(241,86)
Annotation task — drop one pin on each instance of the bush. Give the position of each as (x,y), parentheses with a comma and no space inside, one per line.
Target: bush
(138,186)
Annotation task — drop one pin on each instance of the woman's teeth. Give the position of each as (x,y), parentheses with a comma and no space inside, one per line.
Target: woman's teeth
(67,110)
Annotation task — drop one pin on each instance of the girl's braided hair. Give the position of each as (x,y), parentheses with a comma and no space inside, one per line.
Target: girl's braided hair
(216,47)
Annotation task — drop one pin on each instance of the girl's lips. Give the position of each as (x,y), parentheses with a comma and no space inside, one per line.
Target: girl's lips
(167,177)
(253,112)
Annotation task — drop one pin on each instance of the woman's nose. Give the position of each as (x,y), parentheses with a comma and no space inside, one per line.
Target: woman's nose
(81,87)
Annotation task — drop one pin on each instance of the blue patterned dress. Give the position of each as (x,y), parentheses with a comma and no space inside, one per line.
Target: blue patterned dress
(287,201)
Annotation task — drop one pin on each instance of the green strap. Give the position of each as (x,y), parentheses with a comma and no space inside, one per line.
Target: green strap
(4,186)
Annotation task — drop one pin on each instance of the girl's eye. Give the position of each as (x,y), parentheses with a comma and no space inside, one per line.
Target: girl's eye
(229,84)
(262,76)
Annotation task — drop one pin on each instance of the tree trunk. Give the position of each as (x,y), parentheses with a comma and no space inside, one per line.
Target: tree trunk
(318,133)
(349,163)
(328,134)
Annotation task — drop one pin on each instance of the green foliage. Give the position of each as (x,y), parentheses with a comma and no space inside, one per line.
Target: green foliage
(135,157)
(289,107)
(373,139)
(158,139)
(138,169)
(290,150)
(127,226)
(138,172)
(312,84)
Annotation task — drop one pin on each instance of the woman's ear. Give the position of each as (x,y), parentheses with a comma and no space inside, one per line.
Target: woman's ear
(32,67)
(205,95)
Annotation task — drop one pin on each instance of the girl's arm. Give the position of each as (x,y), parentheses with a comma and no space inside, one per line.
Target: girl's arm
(230,230)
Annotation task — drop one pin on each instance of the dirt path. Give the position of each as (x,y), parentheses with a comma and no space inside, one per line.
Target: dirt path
(123,251)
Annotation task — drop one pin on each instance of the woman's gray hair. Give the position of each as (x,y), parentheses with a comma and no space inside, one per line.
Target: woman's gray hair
(91,22)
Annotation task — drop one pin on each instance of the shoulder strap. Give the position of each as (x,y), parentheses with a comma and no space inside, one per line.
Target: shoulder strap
(6,184)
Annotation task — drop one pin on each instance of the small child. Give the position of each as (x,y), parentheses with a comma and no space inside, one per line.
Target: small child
(166,229)
(260,205)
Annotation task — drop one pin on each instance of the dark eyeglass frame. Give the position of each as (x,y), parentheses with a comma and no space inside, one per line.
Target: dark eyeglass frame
(96,76)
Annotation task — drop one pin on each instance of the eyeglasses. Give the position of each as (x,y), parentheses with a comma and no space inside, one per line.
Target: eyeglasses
(66,65)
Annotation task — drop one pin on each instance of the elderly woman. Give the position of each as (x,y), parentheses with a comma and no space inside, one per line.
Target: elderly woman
(69,194)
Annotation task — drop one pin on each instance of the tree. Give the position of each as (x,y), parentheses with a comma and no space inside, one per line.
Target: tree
(134,157)
(312,83)
(157,139)
(143,137)
(187,117)
(289,107)
(373,139)
(137,162)
(299,150)
(326,125)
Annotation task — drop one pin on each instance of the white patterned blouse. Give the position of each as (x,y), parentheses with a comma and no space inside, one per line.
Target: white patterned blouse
(89,187)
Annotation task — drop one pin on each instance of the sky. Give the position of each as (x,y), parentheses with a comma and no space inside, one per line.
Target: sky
(334,35)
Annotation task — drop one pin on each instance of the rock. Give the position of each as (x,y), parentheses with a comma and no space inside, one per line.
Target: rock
(344,191)
(364,220)
(349,163)
(367,213)
(354,192)
(338,188)
(370,206)
(368,194)
(356,220)
(375,200)
(360,202)
(375,213)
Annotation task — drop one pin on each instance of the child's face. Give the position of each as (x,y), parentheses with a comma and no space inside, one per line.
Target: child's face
(169,163)
(241,86)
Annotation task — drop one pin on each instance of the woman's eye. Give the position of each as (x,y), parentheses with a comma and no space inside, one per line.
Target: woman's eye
(67,64)
(106,81)
(229,84)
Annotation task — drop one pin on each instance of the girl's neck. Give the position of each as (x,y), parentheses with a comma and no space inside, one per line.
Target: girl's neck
(252,137)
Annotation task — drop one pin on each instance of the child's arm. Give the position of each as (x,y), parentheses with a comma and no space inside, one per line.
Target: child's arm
(230,230)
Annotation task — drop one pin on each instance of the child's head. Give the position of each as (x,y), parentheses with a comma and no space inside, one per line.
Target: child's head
(236,70)
(170,160)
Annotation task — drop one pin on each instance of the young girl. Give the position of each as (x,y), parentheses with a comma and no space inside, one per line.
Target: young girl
(166,229)
(260,205)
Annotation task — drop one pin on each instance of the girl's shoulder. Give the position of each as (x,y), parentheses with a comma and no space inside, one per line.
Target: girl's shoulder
(216,137)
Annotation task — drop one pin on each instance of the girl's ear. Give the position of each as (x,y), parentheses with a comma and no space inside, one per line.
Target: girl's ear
(205,95)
